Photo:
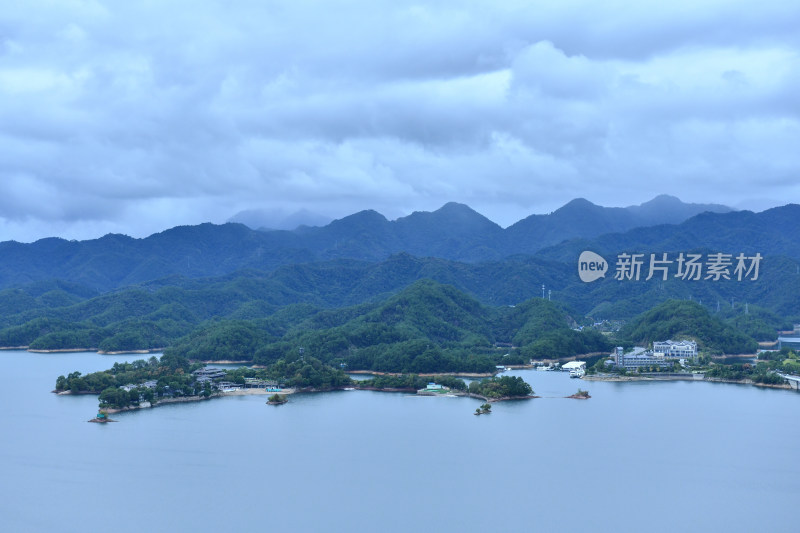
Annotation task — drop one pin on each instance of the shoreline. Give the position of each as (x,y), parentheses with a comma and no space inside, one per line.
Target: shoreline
(184,399)
(132,352)
(455,374)
(502,399)
(224,362)
(62,350)
(78,350)
(685,378)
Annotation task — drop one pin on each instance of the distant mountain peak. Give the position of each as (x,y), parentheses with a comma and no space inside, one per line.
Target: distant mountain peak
(367,216)
(673,209)
(578,204)
(452,218)
(279,219)
(455,207)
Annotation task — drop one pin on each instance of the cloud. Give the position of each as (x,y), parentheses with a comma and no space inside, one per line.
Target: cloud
(132,117)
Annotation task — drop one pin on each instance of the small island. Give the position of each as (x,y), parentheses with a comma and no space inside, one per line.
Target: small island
(277,399)
(484,409)
(501,389)
(580,395)
(101,418)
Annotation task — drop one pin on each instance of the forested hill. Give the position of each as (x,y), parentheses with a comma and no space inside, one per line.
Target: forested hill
(445,328)
(427,327)
(453,232)
(679,320)
(164,309)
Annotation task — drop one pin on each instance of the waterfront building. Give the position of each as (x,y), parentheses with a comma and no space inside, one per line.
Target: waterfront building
(251,383)
(663,355)
(675,350)
(634,361)
(574,365)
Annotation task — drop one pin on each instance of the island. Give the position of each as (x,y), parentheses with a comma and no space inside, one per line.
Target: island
(498,389)
(277,399)
(580,395)
(101,418)
(484,409)
(173,379)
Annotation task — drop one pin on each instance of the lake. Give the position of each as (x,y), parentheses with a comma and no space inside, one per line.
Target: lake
(658,456)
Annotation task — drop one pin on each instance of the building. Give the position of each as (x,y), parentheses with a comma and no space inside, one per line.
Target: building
(792,343)
(251,383)
(634,361)
(675,350)
(663,355)
(574,365)
(211,373)
(619,353)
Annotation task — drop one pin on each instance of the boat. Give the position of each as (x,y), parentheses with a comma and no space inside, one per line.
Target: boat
(576,373)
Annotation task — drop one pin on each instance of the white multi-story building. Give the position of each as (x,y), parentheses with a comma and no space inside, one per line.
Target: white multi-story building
(675,350)
(663,355)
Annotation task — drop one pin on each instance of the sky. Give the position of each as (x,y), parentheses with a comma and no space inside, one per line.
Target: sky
(133,117)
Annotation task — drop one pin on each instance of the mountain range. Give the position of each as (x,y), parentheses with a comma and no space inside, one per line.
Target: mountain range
(454,232)
(120,293)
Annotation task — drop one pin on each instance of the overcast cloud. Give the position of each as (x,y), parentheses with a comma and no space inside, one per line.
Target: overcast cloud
(133,117)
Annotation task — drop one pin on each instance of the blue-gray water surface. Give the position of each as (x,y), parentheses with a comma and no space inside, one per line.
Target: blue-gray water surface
(670,456)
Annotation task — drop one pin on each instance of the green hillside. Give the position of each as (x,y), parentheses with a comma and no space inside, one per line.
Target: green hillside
(679,320)
(427,327)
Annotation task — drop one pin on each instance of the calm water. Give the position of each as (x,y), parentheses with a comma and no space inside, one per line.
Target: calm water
(636,457)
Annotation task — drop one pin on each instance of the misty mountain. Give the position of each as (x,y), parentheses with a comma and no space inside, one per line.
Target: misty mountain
(279,219)
(454,232)
(775,231)
(581,218)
